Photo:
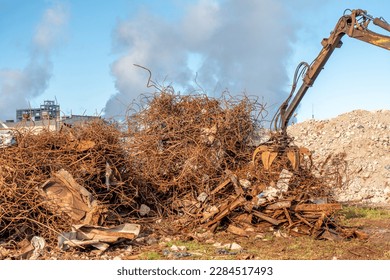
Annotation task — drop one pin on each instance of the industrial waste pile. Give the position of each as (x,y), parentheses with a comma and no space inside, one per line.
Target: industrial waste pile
(180,158)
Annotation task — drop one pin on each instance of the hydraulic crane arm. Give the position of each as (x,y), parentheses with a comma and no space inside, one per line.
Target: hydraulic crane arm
(355,26)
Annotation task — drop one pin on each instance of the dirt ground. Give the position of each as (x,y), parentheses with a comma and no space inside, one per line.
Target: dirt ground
(272,245)
(275,246)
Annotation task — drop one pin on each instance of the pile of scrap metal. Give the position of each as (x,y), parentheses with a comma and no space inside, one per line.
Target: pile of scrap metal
(66,184)
(246,208)
(261,207)
(189,159)
(196,154)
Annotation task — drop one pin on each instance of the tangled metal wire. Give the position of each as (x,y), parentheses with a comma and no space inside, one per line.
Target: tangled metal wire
(25,167)
(176,150)
(181,144)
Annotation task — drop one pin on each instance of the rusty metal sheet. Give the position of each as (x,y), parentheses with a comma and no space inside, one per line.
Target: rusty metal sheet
(227,210)
(97,236)
(317,207)
(236,230)
(64,195)
(279,205)
(268,219)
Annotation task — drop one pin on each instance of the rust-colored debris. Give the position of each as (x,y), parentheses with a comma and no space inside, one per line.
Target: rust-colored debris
(100,237)
(184,158)
(52,180)
(62,194)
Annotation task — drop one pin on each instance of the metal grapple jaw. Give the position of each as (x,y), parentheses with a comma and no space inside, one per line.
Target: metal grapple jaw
(279,149)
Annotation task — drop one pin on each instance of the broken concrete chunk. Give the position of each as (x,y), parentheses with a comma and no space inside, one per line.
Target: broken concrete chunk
(246,184)
(284,180)
(144,210)
(202,197)
(211,211)
(234,246)
(31,250)
(208,134)
(7,138)
(174,248)
(270,194)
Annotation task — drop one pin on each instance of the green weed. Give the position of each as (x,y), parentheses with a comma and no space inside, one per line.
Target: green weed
(351,212)
(151,256)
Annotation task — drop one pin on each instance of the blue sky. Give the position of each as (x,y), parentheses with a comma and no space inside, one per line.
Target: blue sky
(81,53)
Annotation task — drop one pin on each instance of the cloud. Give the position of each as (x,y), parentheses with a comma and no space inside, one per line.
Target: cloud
(49,32)
(19,85)
(241,46)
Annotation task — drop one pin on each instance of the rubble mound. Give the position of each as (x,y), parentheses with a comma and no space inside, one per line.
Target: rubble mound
(360,143)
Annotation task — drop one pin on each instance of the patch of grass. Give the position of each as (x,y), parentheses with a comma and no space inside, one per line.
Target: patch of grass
(269,237)
(151,256)
(307,248)
(351,212)
(190,245)
(193,246)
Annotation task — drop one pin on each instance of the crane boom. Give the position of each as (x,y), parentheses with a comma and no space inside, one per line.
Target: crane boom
(278,146)
(355,26)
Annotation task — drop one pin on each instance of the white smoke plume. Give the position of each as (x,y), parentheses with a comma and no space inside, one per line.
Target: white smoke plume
(241,46)
(17,86)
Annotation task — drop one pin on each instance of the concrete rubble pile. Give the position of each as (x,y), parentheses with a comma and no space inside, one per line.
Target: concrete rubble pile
(360,142)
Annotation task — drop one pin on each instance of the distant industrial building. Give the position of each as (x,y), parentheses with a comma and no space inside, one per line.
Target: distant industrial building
(47,111)
(47,116)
